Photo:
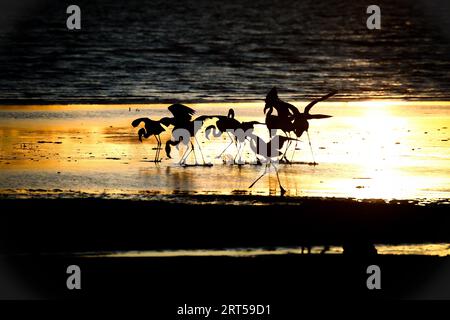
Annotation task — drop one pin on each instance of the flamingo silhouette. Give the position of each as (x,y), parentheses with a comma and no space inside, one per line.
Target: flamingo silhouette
(182,119)
(283,120)
(235,130)
(275,122)
(152,128)
(289,119)
(284,109)
(269,150)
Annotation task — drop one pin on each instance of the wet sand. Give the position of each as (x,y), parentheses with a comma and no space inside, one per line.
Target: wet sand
(373,149)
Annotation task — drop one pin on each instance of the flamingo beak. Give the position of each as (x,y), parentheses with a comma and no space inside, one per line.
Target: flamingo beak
(317,116)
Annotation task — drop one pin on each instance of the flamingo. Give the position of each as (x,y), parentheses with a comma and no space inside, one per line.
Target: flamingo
(269,150)
(289,119)
(231,126)
(152,128)
(284,109)
(275,122)
(283,119)
(182,119)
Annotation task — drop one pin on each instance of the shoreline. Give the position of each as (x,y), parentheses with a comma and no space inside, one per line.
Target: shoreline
(236,197)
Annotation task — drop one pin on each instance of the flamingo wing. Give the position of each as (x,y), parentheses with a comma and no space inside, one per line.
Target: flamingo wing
(180,111)
(312,103)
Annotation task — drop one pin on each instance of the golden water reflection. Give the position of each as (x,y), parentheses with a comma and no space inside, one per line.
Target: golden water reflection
(372,149)
(431,249)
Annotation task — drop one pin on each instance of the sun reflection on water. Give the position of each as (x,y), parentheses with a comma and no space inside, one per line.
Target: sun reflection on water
(372,149)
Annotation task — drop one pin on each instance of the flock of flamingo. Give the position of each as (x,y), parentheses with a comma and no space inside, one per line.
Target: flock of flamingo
(288,119)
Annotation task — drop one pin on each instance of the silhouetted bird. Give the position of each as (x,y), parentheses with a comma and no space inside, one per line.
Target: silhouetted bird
(275,122)
(284,109)
(269,150)
(247,129)
(284,117)
(228,122)
(152,128)
(235,129)
(289,119)
(182,119)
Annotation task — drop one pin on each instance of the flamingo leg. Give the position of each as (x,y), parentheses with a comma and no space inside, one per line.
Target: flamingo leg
(186,153)
(182,157)
(193,150)
(310,146)
(226,146)
(223,151)
(287,147)
(200,149)
(157,148)
(238,153)
(238,150)
(157,145)
(265,171)
(278,178)
(293,153)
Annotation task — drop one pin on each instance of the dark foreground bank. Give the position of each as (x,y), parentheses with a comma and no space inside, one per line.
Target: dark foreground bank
(206,222)
(288,279)
(40,236)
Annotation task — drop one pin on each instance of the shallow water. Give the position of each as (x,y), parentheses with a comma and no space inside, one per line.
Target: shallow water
(214,50)
(373,149)
(430,249)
